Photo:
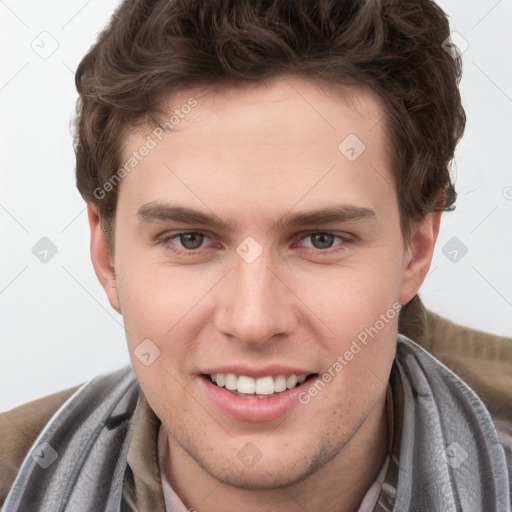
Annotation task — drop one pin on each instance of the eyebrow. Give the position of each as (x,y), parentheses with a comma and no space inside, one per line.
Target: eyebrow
(155,211)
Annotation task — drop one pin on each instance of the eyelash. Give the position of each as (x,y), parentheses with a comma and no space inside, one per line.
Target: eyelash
(166,238)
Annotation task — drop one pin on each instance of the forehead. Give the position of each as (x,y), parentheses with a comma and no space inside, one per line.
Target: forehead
(283,140)
(304,106)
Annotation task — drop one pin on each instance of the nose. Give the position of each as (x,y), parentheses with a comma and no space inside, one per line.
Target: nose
(257,305)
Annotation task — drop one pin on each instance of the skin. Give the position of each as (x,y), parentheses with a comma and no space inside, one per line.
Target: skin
(251,156)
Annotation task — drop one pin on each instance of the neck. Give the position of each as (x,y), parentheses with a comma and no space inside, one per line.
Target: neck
(340,484)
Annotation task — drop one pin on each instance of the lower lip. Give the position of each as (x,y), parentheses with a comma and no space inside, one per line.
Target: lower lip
(254,409)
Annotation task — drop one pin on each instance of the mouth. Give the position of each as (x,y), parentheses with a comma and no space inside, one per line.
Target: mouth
(257,394)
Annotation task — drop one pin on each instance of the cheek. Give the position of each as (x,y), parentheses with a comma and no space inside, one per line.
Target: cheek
(156,297)
(352,295)
(358,311)
(157,309)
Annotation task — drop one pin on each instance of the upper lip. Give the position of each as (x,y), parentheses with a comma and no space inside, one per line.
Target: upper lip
(239,369)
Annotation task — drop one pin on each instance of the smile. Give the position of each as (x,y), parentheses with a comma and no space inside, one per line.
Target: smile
(264,398)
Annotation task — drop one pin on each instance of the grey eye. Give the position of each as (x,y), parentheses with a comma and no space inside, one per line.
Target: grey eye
(322,240)
(191,241)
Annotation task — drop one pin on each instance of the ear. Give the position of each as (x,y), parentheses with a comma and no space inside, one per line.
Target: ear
(101,258)
(418,255)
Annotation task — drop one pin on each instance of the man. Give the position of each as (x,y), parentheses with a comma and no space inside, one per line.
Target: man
(265,183)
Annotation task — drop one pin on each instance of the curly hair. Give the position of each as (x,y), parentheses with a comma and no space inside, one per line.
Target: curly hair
(152,49)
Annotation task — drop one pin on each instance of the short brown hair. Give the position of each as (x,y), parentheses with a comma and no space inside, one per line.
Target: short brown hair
(154,48)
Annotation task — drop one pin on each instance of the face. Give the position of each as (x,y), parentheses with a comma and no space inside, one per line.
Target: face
(293,265)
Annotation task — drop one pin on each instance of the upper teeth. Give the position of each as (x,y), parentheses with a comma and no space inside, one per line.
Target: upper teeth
(261,386)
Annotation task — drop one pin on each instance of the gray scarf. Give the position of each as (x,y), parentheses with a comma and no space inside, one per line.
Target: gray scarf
(446,453)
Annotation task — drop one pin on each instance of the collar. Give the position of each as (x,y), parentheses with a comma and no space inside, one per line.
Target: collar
(142,459)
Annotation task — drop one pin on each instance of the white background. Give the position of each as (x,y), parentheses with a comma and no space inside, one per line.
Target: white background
(58,329)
